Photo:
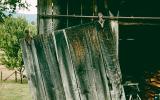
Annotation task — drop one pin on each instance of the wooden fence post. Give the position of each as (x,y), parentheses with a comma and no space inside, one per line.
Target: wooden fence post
(1,76)
(21,76)
(16,76)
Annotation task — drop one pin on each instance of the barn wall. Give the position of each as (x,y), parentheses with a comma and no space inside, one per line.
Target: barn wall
(67,7)
(75,63)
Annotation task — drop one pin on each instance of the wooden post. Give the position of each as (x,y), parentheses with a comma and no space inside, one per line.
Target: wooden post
(16,76)
(21,76)
(44,25)
(1,76)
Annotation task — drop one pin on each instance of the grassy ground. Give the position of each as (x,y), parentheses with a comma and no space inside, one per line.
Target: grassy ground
(10,90)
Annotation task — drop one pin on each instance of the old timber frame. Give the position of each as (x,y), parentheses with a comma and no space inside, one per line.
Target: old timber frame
(73,58)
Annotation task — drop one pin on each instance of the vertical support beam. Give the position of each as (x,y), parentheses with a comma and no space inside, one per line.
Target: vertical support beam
(40,20)
(15,76)
(21,76)
(1,75)
(48,22)
(44,25)
(38,17)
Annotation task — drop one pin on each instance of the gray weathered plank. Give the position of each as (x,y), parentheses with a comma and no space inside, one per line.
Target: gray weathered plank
(66,67)
(82,62)
(30,65)
(107,40)
(98,65)
(53,66)
(77,63)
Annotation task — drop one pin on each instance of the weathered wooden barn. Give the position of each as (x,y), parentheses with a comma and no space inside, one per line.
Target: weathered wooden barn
(73,57)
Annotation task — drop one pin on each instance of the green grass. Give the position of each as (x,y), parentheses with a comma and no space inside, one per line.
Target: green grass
(10,90)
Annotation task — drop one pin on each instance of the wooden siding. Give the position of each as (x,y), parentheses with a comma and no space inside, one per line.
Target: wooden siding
(76,63)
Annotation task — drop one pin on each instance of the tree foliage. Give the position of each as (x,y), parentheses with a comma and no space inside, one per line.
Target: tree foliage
(11,31)
(7,7)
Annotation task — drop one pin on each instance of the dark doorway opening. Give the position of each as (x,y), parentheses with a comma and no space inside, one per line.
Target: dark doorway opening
(139,46)
(139,50)
(139,56)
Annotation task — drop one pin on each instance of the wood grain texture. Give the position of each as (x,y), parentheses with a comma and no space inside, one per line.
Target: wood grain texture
(76,63)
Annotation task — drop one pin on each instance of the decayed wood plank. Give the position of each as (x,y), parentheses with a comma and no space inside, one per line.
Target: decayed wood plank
(31,70)
(66,67)
(72,71)
(62,65)
(115,31)
(98,65)
(50,54)
(40,87)
(27,66)
(118,88)
(48,84)
(82,62)
(107,40)
(78,63)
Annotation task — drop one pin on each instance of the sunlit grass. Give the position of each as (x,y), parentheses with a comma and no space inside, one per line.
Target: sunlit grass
(10,90)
